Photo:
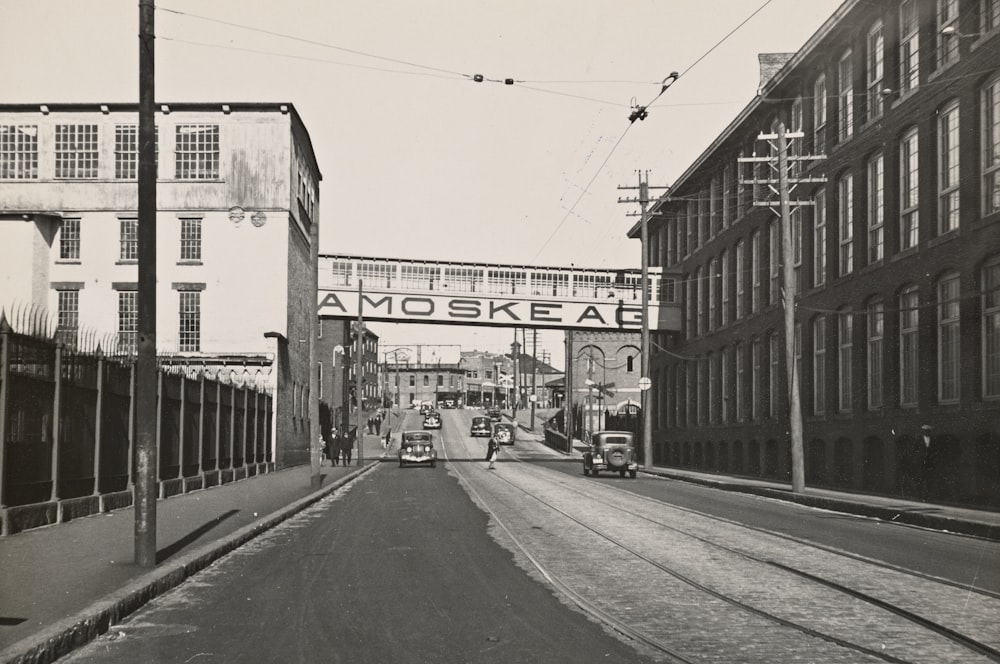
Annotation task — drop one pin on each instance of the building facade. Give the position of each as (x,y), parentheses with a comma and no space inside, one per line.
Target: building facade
(237,200)
(895,244)
(605,375)
(488,378)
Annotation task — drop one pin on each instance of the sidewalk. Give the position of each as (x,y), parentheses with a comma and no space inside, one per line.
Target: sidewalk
(62,585)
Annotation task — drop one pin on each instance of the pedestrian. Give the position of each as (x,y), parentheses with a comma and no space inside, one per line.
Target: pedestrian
(492,450)
(346,448)
(334,447)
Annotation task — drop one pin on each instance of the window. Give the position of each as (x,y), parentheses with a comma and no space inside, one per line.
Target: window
(692,220)
(774,261)
(699,297)
(128,320)
(845,97)
(690,304)
(949,368)
(989,15)
(756,291)
(819,364)
(703,217)
(909,351)
(715,190)
(713,387)
(197,152)
(795,144)
(796,223)
(876,330)
(819,115)
(713,292)
(874,70)
(909,46)
(190,321)
(948,179)
(413,381)
(427,380)
(700,395)
(191,239)
(741,367)
(692,398)
(18,152)
(725,379)
(845,188)
(128,240)
(991,329)
(127,150)
(76,151)
(947,44)
(69,239)
(440,380)
(819,238)
(724,285)
(68,317)
(755,369)
(772,378)
(740,278)
(909,191)
(876,208)
(671,257)
(845,330)
(728,204)
(630,364)
(991,146)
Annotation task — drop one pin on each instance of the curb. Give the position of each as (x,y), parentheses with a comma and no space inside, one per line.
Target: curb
(66,635)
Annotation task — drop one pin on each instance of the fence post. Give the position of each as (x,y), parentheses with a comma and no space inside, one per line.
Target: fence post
(56,433)
(246,421)
(99,415)
(201,427)
(5,331)
(181,432)
(131,425)
(232,427)
(218,427)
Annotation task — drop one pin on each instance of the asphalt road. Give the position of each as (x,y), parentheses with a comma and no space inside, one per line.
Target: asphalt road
(400,568)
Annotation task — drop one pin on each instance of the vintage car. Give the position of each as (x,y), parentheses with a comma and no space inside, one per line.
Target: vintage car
(432,420)
(417,447)
(612,451)
(480,426)
(504,433)
(425,407)
(493,413)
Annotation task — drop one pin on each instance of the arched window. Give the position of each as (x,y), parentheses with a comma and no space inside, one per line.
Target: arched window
(948,177)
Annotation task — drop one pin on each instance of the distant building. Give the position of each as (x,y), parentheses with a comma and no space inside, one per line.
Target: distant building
(896,254)
(488,378)
(606,371)
(237,198)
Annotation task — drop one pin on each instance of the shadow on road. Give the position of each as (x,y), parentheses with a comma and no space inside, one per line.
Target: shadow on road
(174,548)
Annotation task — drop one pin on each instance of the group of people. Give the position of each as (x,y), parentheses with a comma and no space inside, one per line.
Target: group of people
(375,423)
(338,448)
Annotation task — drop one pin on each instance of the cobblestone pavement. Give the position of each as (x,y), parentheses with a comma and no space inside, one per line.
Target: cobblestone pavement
(679,587)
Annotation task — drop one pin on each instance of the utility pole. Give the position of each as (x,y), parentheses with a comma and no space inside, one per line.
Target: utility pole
(515,351)
(568,400)
(146,379)
(534,374)
(645,382)
(784,203)
(359,436)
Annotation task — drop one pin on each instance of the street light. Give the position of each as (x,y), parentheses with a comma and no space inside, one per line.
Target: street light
(590,404)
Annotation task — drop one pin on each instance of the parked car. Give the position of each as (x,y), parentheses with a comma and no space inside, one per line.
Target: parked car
(493,413)
(480,426)
(611,451)
(504,433)
(432,420)
(417,447)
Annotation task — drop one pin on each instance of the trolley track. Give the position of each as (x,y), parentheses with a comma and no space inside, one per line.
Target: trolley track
(975,648)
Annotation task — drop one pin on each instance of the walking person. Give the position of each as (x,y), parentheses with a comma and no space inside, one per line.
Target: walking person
(347,447)
(492,451)
(334,447)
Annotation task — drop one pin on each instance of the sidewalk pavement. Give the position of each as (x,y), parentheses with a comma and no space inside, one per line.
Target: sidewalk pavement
(63,585)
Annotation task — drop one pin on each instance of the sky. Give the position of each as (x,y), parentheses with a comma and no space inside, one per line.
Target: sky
(418,159)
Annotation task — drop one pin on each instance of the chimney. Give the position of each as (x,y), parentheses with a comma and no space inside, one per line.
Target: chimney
(770,64)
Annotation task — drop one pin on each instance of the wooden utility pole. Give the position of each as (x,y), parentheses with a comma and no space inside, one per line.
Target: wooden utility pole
(568,400)
(645,384)
(359,436)
(146,380)
(779,165)
(534,374)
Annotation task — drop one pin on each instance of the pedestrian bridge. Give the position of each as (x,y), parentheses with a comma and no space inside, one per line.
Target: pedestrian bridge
(459,293)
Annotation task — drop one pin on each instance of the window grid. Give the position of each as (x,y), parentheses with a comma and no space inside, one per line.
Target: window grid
(989,15)
(819,239)
(700,395)
(845,97)
(991,146)
(991,329)
(127,150)
(713,387)
(949,341)
(741,367)
(699,316)
(772,385)
(819,115)
(756,291)
(18,152)
(69,239)
(190,321)
(724,284)
(908,346)
(909,191)
(845,330)
(128,239)
(909,46)
(128,321)
(755,369)
(68,317)
(797,351)
(774,262)
(876,331)
(796,223)
(876,208)
(713,292)
(876,45)
(197,152)
(846,224)
(740,279)
(819,365)
(947,17)
(191,239)
(948,176)
(76,151)
(724,378)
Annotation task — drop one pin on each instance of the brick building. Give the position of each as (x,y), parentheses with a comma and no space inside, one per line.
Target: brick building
(237,197)
(606,371)
(896,257)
